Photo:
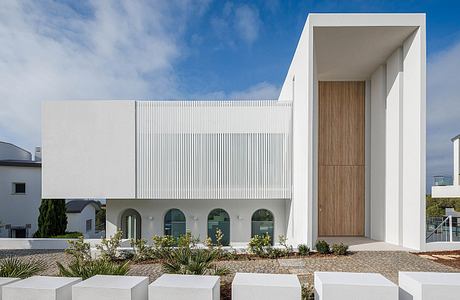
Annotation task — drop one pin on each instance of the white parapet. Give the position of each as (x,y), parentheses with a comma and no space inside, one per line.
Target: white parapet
(40,288)
(253,286)
(429,286)
(109,287)
(348,286)
(5,281)
(185,287)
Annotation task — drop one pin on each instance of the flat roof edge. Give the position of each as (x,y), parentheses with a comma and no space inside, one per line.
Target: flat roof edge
(366,19)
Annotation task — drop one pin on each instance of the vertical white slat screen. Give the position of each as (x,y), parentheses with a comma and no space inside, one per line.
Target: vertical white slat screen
(213,149)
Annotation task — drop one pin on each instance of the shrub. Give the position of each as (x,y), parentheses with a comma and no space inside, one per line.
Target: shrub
(90,268)
(260,245)
(340,249)
(109,247)
(69,235)
(308,292)
(187,241)
(162,245)
(193,261)
(79,249)
(322,247)
(15,267)
(304,250)
(288,249)
(142,251)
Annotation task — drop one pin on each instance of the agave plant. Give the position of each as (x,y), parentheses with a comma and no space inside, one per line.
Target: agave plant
(192,261)
(89,268)
(18,268)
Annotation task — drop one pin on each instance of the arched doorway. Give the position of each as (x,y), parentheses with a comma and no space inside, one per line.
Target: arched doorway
(131,224)
(219,219)
(262,222)
(174,223)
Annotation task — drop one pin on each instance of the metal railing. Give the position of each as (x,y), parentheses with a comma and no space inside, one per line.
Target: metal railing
(443,180)
(443,229)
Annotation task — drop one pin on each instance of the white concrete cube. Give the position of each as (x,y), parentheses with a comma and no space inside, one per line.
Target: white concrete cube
(110,287)
(257,286)
(429,286)
(5,281)
(185,287)
(348,286)
(40,288)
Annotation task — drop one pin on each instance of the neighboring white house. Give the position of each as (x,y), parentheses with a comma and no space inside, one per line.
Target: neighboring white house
(446,186)
(20,191)
(81,217)
(340,153)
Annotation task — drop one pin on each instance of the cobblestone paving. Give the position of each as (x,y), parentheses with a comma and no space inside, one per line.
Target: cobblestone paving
(386,263)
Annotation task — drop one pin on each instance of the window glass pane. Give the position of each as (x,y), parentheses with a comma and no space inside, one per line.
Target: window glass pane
(174,224)
(262,223)
(219,219)
(19,188)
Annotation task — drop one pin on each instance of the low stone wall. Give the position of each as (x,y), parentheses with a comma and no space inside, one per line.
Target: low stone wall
(39,243)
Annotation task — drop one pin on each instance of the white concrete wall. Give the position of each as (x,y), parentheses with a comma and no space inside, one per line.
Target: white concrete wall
(298,87)
(377,154)
(76,222)
(196,212)
(414,140)
(456,159)
(18,209)
(393,147)
(88,149)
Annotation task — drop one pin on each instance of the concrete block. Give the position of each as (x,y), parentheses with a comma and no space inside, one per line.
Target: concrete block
(429,286)
(40,288)
(256,286)
(185,287)
(110,287)
(352,286)
(5,281)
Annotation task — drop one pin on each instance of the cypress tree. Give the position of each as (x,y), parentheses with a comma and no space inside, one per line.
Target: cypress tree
(52,220)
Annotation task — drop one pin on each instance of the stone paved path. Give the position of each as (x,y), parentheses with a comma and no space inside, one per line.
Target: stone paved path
(386,263)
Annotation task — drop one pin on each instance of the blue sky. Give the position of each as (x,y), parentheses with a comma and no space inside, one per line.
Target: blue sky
(57,50)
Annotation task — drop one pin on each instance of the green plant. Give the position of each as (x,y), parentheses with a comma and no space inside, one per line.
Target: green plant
(187,241)
(192,261)
(89,268)
(79,249)
(340,249)
(69,235)
(142,251)
(52,220)
(260,245)
(18,268)
(288,249)
(162,245)
(308,292)
(322,247)
(304,250)
(109,247)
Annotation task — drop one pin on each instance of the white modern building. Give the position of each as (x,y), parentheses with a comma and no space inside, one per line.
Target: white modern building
(20,191)
(341,152)
(446,186)
(81,217)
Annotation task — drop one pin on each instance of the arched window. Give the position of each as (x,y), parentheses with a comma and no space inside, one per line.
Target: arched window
(174,223)
(262,222)
(219,219)
(131,224)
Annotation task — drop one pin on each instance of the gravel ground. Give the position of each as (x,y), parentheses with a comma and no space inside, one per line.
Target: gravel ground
(386,263)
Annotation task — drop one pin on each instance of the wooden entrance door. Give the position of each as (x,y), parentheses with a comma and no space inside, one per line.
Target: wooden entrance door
(341,158)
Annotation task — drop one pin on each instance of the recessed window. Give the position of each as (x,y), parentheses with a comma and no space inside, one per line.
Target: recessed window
(89,225)
(19,188)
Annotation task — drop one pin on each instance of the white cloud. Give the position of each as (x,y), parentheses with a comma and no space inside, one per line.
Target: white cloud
(247,23)
(443,110)
(259,91)
(49,51)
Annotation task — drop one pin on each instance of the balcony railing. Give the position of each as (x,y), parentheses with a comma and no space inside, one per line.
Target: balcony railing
(442,180)
(443,229)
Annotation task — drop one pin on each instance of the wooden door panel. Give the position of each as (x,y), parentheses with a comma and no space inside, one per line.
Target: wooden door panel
(341,158)
(341,123)
(341,210)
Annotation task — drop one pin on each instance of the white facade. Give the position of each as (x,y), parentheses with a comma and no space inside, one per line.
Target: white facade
(18,211)
(450,190)
(83,220)
(242,156)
